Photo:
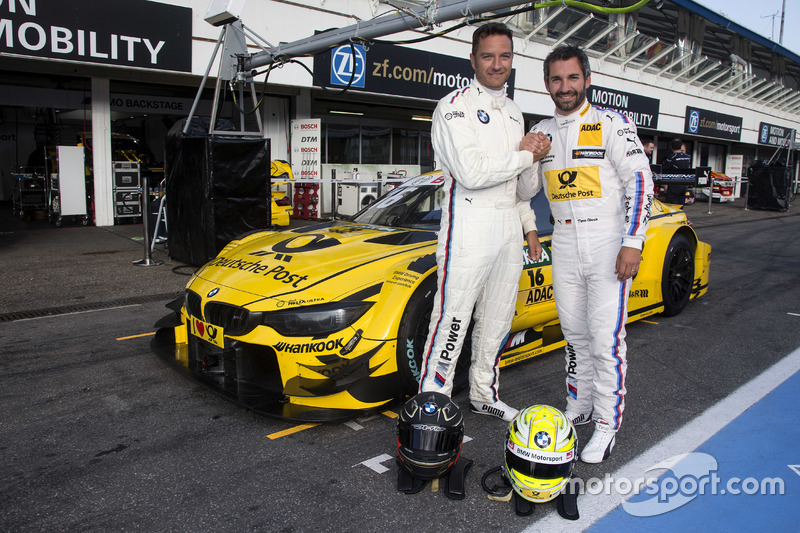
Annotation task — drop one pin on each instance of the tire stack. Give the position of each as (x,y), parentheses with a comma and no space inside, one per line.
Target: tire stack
(306,200)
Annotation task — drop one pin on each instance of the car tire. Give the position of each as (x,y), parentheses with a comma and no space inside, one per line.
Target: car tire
(411,337)
(677,277)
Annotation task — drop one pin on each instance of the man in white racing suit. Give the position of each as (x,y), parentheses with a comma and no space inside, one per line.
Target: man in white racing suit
(598,181)
(478,137)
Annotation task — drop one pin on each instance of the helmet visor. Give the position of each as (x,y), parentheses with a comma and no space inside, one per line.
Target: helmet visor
(429,438)
(537,470)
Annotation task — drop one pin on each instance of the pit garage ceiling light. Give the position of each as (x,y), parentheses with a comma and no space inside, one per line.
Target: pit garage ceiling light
(336,112)
(422,118)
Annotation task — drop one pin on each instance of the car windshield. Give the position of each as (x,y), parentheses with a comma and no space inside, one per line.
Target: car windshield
(418,204)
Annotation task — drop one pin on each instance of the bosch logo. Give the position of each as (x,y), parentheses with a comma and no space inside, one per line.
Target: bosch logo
(694,121)
(348,63)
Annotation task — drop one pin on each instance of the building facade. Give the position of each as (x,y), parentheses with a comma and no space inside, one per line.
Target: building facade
(98,73)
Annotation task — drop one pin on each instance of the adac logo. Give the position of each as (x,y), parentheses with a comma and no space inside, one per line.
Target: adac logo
(567,178)
(591,134)
(483,116)
(764,133)
(694,121)
(348,62)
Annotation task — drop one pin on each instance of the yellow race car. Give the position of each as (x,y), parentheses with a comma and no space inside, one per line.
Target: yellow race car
(324,322)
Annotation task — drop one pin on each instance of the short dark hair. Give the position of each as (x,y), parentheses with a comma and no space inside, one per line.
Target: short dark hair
(565,52)
(491,28)
(675,144)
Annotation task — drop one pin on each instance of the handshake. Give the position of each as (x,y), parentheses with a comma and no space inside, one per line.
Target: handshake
(536,143)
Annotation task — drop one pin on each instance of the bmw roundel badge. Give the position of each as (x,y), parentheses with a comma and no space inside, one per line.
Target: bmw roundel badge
(483,116)
(542,439)
(213,292)
(429,408)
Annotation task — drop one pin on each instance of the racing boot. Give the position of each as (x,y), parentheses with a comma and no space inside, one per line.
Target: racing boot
(600,445)
(498,409)
(578,420)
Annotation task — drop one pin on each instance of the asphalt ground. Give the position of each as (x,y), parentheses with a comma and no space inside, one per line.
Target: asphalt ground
(98,434)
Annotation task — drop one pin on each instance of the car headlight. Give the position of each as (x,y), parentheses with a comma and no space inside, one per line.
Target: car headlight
(315,320)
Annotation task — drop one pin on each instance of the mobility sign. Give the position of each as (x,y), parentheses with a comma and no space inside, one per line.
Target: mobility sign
(773,135)
(640,110)
(712,124)
(395,70)
(130,33)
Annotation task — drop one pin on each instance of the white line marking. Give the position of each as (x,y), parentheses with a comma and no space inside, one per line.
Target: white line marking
(793,314)
(355,426)
(375,463)
(685,440)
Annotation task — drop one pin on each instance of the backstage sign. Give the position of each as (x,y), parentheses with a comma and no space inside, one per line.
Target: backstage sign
(712,124)
(640,110)
(773,135)
(395,70)
(130,33)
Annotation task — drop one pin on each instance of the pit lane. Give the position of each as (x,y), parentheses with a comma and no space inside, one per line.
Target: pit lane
(98,433)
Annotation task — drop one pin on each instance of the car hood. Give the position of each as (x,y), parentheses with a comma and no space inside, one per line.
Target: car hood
(310,265)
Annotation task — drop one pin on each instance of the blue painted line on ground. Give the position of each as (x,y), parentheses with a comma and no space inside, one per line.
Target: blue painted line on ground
(753,454)
(749,434)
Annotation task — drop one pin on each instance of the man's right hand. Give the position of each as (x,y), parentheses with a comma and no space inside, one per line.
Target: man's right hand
(536,143)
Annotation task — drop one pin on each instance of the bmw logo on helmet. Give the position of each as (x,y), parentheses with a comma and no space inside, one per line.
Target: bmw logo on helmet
(429,408)
(483,116)
(542,439)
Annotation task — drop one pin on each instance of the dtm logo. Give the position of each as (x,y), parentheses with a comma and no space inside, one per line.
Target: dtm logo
(764,133)
(348,63)
(694,121)
(429,408)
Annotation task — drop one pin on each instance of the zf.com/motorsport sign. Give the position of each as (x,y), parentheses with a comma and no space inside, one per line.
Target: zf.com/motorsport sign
(712,124)
(395,70)
(129,33)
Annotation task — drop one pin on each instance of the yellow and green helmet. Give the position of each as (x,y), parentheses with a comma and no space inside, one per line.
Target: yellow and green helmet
(541,451)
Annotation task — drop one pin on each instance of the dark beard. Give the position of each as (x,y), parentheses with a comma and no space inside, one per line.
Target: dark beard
(577,102)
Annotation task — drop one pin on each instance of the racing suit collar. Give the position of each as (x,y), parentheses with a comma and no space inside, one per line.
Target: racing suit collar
(575,116)
(497,101)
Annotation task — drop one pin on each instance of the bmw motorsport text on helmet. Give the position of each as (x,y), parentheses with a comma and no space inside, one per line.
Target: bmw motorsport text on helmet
(540,453)
(430,431)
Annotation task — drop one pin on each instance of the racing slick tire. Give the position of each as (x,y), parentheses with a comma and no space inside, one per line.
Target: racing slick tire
(411,337)
(677,277)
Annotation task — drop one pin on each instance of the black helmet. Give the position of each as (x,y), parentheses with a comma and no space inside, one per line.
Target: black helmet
(430,431)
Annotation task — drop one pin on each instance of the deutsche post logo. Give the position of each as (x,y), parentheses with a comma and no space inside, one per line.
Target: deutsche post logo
(577,183)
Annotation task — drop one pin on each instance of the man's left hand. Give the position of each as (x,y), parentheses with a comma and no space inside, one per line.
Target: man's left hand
(534,246)
(628,260)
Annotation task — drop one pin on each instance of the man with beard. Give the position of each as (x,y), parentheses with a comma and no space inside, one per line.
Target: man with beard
(479,137)
(600,188)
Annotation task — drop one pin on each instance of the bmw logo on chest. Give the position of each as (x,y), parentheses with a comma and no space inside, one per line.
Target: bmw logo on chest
(483,116)
(429,408)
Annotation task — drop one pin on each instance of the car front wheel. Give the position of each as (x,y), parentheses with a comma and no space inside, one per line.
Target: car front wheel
(411,337)
(678,275)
